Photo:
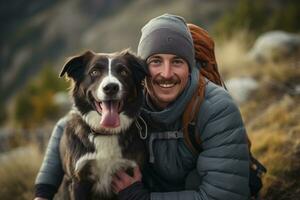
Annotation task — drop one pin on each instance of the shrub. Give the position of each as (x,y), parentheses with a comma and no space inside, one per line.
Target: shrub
(3,113)
(259,17)
(35,105)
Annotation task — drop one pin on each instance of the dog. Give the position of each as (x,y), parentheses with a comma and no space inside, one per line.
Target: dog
(103,130)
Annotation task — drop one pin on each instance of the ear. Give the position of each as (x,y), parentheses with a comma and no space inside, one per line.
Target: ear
(75,65)
(138,66)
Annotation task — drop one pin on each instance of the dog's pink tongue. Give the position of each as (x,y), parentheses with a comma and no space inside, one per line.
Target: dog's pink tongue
(110,116)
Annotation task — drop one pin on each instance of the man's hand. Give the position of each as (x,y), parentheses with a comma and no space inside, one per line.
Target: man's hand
(122,180)
(39,198)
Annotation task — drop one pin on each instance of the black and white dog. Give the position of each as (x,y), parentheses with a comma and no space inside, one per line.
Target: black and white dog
(102,134)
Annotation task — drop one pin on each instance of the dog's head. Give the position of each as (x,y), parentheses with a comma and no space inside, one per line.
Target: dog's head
(107,88)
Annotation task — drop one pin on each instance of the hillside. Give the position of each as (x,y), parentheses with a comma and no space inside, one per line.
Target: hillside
(36,34)
(271,114)
(39,33)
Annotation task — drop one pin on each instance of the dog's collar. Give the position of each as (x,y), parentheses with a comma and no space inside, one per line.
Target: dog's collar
(93,132)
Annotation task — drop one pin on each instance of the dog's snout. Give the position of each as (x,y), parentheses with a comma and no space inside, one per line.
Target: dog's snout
(111,88)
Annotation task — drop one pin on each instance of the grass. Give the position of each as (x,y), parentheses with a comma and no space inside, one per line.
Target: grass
(280,152)
(18,170)
(271,115)
(231,54)
(275,134)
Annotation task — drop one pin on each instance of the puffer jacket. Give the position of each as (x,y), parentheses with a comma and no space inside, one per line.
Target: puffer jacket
(219,172)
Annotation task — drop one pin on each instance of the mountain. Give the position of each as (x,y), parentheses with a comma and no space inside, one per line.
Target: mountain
(36,33)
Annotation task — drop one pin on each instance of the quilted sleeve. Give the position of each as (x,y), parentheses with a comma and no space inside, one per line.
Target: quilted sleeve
(51,172)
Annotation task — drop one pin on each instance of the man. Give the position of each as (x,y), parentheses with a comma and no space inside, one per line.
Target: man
(220,171)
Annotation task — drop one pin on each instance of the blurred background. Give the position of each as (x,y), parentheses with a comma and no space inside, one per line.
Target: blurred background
(257,49)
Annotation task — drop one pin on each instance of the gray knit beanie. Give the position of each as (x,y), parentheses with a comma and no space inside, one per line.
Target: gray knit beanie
(167,34)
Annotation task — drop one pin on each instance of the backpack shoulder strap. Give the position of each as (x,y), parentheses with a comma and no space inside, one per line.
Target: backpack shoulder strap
(190,133)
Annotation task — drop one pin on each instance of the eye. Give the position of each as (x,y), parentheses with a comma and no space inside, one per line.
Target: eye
(123,72)
(95,73)
(178,61)
(154,61)
(122,69)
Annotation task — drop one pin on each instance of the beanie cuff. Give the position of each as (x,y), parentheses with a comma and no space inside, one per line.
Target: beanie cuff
(166,41)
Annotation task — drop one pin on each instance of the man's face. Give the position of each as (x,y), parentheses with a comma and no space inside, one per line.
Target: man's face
(168,76)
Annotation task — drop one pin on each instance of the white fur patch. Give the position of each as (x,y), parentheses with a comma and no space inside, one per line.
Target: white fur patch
(107,80)
(93,119)
(108,157)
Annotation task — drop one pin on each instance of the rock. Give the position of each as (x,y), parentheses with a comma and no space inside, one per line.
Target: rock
(240,88)
(275,46)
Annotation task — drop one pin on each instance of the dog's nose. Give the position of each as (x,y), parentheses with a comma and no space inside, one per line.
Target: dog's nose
(111,88)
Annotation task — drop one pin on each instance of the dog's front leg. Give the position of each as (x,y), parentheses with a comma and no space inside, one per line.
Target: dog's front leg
(81,190)
(86,167)
(85,177)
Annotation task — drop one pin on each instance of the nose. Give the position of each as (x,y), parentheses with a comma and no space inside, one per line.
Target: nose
(111,88)
(167,71)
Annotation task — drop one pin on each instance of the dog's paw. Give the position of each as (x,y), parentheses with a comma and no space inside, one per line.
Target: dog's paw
(123,164)
(86,168)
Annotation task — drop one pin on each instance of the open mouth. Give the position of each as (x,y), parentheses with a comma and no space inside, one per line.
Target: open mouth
(109,111)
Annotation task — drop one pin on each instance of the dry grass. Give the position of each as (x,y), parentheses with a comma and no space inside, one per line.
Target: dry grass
(231,55)
(271,115)
(18,170)
(274,130)
(275,134)
(282,114)
(280,153)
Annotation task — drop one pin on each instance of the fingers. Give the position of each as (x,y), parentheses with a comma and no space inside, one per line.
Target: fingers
(116,184)
(137,175)
(122,180)
(122,175)
(116,187)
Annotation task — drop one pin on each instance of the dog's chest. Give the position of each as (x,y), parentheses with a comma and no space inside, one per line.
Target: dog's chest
(109,155)
(105,162)
(107,147)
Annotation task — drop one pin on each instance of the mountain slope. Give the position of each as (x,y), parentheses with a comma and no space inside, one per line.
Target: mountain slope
(36,34)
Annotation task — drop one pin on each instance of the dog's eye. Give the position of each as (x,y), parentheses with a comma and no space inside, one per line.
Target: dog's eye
(123,72)
(95,73)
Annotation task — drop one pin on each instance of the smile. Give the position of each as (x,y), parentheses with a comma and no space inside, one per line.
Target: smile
(167,85)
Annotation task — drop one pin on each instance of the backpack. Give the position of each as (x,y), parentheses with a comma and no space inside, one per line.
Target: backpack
(205,57)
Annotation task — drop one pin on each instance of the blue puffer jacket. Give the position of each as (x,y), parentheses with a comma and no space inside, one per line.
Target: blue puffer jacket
(219,172)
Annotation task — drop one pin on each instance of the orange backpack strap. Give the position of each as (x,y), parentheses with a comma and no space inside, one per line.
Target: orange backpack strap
(190,133)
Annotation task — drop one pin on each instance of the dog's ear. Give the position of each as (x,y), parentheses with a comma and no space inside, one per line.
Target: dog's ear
(75,65)
(137,65)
